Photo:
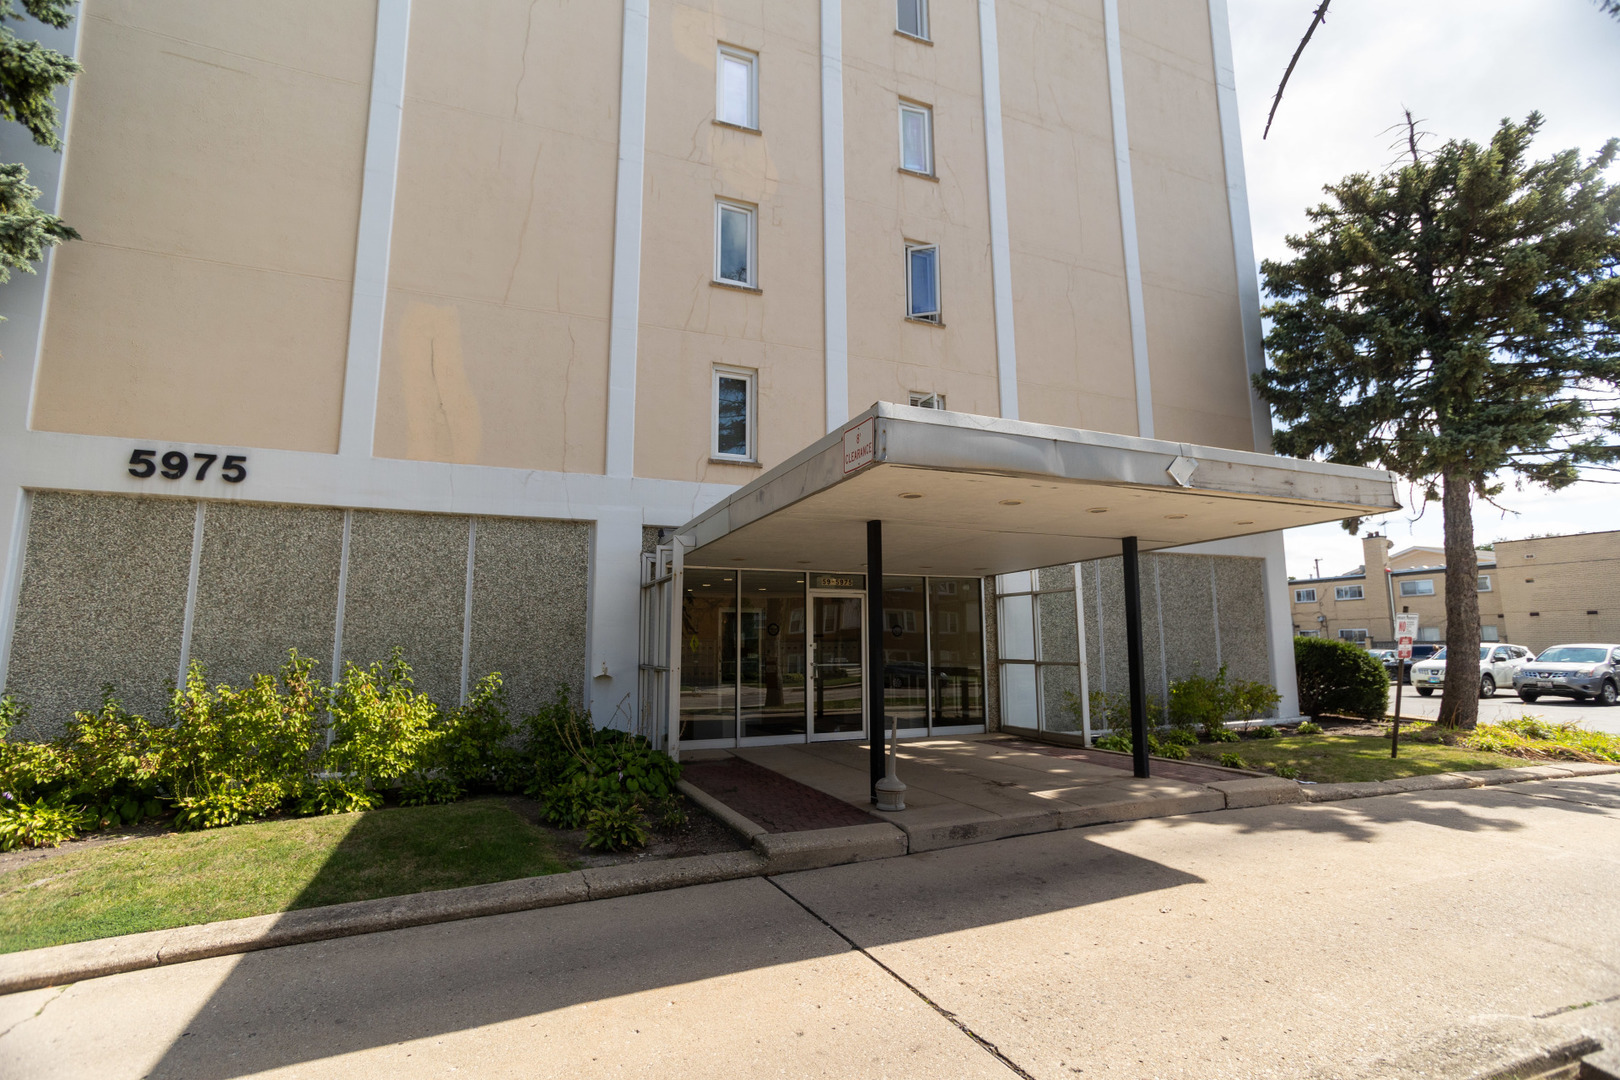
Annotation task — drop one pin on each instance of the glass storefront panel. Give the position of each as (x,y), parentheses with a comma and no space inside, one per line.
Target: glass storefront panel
(958,651)
(773,654)
(709,655)
(840,662)
(905,652)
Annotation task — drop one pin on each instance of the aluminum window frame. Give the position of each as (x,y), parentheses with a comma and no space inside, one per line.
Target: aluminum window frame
(927,113)
(723,53)
(1027,585)
(1483,584)
(1416,589)
(922,399)
(721,207)
(1301,598)
(1344,633)
(921,8)
(936,316)
(751,377)
(1343,592)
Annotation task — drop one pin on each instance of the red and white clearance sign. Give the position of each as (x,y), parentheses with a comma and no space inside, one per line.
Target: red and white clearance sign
(1406,627)
(860,444)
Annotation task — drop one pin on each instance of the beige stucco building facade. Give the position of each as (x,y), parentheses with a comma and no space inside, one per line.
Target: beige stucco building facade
(414,323)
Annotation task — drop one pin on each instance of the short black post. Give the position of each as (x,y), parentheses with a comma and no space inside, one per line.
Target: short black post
(1133,657)
(874,648)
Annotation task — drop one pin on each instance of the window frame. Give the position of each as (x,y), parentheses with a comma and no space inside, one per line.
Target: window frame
(1301,598)
(1362,640)
(923,29)
(937,316)
(1342,592)
(724,52)
(1483,584)
(927,113)
(752,213)
(751,406)
(922,399)
(1416,590)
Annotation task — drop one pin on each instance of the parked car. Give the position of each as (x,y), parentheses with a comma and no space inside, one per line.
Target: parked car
(1420,651)
(1388,658)
(1576,671)
(1498,664)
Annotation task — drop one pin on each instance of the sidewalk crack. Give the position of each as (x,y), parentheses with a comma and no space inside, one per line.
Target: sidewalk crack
(60,990)
(984,1044)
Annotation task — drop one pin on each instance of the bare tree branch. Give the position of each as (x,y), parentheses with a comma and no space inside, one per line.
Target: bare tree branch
(1321,14)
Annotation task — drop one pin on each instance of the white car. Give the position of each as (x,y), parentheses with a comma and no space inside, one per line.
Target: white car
(1497,666)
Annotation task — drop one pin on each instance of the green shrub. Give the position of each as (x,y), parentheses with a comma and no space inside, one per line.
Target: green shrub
(39,824)
(1308,727)
(335,795)
(382,728)
(1113,711)
(1113,741)
(1221,734)
(672,816)
(1287,772)
(1233,761)
(1265,731)
(615,827)
(473,744)
(1341,678)
(419,789)
(1173,751)
(1200,702)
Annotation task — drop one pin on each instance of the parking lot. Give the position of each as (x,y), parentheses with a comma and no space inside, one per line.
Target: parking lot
(1507,706)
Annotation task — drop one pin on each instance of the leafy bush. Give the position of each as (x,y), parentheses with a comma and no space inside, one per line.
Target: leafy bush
(1536,738)
(473,747)
(671,816)
(1113,711)
(1287,772)
(1114,741)
(1308,727)
(1341,678)
(1233,761)
(1173,751)
(39,824)
(336,795)
(419,789)
(614,827)
(382,728)
(1179,737)
(1208,703)
(1265,731)
(1221,734)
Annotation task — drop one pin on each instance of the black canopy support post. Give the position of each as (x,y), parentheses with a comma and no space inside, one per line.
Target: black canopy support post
(1133,657)
(874,648)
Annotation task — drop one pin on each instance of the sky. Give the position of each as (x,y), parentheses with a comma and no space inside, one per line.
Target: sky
(1460,66)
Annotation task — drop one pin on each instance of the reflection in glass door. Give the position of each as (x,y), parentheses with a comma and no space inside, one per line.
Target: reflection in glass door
(838,666)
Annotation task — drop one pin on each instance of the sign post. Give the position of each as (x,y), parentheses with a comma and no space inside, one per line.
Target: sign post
(1406,626)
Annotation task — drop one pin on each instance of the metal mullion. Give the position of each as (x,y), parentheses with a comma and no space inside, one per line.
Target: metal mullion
(928,645)
(736,685)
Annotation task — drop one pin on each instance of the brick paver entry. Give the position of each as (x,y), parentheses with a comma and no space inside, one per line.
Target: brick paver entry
(770,799)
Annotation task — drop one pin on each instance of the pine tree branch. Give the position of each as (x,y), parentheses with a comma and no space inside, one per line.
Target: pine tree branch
(1321,14)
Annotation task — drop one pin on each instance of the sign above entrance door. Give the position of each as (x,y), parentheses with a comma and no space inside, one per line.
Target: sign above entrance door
(835,581)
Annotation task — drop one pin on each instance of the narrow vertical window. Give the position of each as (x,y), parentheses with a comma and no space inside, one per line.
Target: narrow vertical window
(738,88)
(734,243)
(911,17)
(922,282)
(916,138)
(734,406)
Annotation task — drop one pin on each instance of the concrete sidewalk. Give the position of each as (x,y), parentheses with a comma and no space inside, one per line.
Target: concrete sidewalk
(1442,934)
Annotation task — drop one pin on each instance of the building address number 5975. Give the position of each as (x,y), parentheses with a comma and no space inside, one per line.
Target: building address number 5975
(176,463)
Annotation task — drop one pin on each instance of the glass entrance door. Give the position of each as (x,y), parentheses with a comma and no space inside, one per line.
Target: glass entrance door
(838,666)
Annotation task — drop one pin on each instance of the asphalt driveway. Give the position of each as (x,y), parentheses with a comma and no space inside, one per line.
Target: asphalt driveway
(1507,706)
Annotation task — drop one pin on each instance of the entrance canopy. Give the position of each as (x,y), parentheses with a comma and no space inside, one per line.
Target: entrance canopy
(963,495)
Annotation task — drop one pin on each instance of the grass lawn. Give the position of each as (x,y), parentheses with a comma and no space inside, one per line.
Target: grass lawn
(1331,759)
(166,881)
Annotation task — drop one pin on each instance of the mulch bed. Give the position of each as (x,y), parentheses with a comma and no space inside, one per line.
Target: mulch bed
(769,799)
(1169,770)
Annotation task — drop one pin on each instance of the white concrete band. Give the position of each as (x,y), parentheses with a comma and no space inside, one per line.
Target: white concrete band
(1237,200)
(1127,221)
(835,284)
(995,156)
(362,372)
(624,323)
(197,525)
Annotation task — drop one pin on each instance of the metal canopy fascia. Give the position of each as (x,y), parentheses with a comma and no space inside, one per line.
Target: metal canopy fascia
(972,495)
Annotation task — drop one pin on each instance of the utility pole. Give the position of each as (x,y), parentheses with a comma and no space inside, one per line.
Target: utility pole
(1318,564)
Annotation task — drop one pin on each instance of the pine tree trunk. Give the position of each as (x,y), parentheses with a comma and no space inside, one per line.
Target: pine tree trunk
(1459,707)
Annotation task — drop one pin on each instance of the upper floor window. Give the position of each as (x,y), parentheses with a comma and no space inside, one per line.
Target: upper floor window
(916,138)
(1304,596)
(734,410)
(1484,583)
(1347,592)
(911,17)
(1488,632)
(734,244)
(1418,588)
(739,87)
(922,282)
(927,401)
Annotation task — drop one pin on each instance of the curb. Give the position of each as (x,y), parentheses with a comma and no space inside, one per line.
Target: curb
(1438,781)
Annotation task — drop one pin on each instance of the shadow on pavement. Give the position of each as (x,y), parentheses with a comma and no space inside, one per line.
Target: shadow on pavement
(310,1002)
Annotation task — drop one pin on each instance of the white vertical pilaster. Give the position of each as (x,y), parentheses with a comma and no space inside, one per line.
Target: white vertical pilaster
(1000,245)
(624,323)
(467,606)
(14,532)
(342,599)
(1279,622)
(1237,200)
(1215,609)
(363,369)
(613,618)
(192,575)
(1080,630)
(1127,221)
(835,287)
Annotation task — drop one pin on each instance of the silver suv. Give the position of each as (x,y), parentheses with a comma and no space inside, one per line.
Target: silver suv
(1577,671)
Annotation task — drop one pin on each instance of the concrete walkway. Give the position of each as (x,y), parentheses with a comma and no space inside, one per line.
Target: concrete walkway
(967,789)
(1440,934)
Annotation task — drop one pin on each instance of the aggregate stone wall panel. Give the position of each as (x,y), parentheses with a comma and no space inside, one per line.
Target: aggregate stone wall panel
(1186,607)
(528,616)
(103,600)
(1240,584)
(407,586)
(267,582)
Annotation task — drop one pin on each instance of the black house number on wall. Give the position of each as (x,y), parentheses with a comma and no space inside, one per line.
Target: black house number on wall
(176,463)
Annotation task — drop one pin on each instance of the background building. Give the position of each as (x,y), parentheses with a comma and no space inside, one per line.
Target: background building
(414,323)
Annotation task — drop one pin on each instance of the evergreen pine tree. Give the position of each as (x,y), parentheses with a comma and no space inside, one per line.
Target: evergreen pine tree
(1455,321)
(29,76)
